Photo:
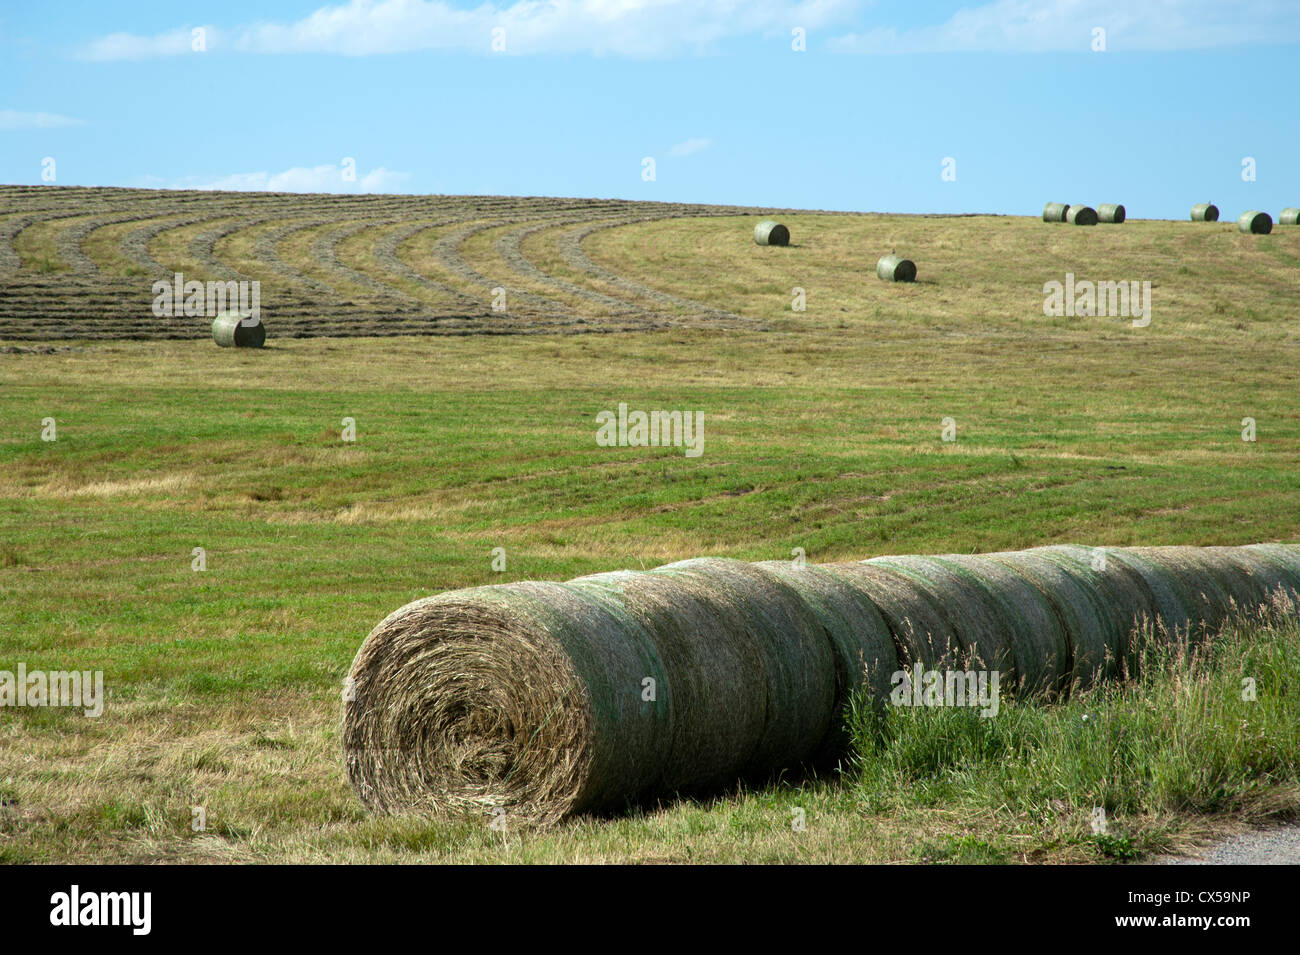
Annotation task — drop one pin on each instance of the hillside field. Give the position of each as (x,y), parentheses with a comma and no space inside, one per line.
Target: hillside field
(475,430)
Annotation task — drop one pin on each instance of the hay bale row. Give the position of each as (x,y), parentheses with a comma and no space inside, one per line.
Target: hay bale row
(1255,223)
(551,699)
(1205,212)
(1290,216)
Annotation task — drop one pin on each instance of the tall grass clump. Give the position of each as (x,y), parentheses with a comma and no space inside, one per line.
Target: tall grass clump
(1179,734)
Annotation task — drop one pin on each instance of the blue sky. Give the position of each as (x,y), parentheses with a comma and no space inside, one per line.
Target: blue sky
(584,90)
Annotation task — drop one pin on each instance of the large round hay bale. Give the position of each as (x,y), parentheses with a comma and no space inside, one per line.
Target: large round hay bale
(230,331)
(1124,590)
(911,610)
(1205,212)
(862,646)
(973,613)
(1055,211)
(895,268)
(1264,576)
(1255,223)
(1290,216)
(1110,212)
(771,232)
(1286,558)
(1039,644)
(1094,639)
(1174,609)
(1081,215)
(1207,602)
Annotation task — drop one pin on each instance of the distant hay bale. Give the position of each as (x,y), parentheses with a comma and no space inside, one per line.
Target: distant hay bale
(1205,212)
(1055,211)
(1290,216)
(895,268)
(771,232)
(551,699)
(1081,215)
(1255,223)
(1110,212)
(229,331)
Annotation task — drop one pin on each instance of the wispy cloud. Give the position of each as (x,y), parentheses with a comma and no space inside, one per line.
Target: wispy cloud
(326,178)
(690,147)
(1022,26)
(642,28)
(12,119)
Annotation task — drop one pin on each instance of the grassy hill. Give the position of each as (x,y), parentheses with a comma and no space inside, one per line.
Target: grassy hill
(822,432)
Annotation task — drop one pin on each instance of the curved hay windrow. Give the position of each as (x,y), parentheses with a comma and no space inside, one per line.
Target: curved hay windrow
(970,609)
(1093,635)
(1037,638)
(921,632)
(861,644)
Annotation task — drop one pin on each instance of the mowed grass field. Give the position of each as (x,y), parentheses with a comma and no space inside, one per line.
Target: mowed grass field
(822,431)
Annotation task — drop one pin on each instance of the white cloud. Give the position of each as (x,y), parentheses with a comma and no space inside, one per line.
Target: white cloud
(644,28)
(690,147)
(1035,26)
(12,119)
(326,178)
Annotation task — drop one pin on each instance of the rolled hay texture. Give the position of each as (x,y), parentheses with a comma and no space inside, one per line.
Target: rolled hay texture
(1055,211)
(1255,223)
(771,232)
(1110,212)
(895,268)
(1081,215)
(228,331)
(1205,212)
(1289,216)
(551,699)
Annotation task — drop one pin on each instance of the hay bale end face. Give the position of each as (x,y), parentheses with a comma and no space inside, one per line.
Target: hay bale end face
(1110,212)
(1255,223)
(1289,216)
(895,268)
(1055,211)
(771,232)
(1205,212)
(553,699)
(1081,215)
(235,330)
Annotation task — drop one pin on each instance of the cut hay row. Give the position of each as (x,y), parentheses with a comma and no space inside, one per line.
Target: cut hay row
(550,699)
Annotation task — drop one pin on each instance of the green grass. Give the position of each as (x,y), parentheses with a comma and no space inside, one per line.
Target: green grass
(823,433)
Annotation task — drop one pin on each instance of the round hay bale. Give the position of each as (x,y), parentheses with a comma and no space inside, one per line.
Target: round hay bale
(1124,590)
(1205,212)
(1290,216)
(1206,601)
(771,232)
(895,268)
(1110,212)
(1255,223)
(1175,609)
(1081,215)
(1265,577)
(911,610)
(1286,558)
(1093,636)
(1034,630)
(1055,211)
(970,610)
(230,331)
(862,646)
